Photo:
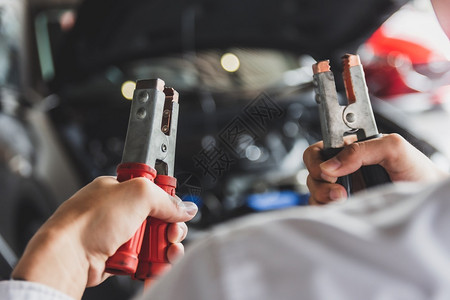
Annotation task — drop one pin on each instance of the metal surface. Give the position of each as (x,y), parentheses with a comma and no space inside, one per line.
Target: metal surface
(330,112)
(172,108)
(153,107)
(337,120)
(358,115)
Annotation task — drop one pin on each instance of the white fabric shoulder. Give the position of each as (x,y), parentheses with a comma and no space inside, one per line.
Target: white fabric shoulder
(25,290)
(391,243)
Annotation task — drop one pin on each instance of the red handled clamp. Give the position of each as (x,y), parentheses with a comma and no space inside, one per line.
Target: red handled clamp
(149,151)
(356,117)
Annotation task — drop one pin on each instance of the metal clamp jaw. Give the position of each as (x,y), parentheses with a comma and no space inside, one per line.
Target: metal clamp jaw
(152,127)
(149,152)
(337,120)
(357,116)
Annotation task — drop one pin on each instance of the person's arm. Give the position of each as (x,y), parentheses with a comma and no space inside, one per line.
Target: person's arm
(20,289)
(69,251)
(402,161)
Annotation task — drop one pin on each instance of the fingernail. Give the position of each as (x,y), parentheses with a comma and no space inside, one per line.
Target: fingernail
(336,194)
(331,164)
(190,208)
(182,231)
(327,178)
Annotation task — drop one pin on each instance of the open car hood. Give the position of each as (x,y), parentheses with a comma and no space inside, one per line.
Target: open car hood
(114,32)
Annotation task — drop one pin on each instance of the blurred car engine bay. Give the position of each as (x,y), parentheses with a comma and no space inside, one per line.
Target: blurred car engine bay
(247,108)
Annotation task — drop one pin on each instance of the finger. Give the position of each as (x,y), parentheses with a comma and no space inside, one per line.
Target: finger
(177,232)
(104,276)
(143,195)
(350,139)
(175,210)
(312,158)
(354,156)
(175,252)
(323,192)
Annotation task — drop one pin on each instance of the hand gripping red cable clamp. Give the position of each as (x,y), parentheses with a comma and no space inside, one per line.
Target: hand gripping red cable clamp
(149,152)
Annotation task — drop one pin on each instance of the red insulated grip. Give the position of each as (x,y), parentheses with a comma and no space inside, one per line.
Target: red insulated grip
(153,256)
(125,260)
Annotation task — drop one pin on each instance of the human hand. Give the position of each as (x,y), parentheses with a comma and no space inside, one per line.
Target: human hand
(69,251)
(401,160)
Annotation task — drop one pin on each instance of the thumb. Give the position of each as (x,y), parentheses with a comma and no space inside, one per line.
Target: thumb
(151,200)
(358,154)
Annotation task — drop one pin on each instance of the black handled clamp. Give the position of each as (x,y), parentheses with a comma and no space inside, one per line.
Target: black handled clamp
(356,117)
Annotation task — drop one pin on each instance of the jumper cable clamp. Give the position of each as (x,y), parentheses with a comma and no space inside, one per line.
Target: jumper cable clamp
(337,120)
(149,152)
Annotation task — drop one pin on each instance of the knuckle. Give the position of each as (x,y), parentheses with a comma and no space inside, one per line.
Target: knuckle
(309,153)
(183,226)
(177,202)
(309,182)
(395,140)
(184,230)
(306,155)
(101,180)
(349,139)
(396,143)
(141,186)
(353,149)
(316,202)
(318,192)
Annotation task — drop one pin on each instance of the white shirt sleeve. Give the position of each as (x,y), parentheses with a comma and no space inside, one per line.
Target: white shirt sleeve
(25,290)
(388,244)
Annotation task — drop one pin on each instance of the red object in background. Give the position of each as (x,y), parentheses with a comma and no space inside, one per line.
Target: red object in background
(384,80)
(395,57)
(384,46)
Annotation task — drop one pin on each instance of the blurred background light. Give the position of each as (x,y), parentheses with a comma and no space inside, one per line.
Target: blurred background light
(128,89)
(230,62)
